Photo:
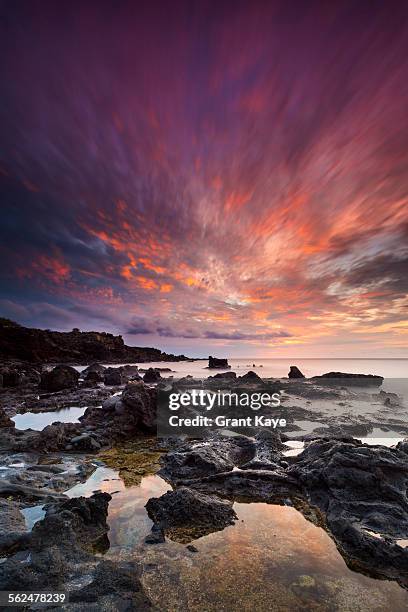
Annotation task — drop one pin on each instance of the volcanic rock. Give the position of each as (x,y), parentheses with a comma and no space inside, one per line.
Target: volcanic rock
(347,378)
(12,377)
(185,515)
(152,375)
(94,367)
(219,454)
(250,377)
(294,372)
(214,362)
(45,346)
(223,376)
(5,420)
(60,377)
(113,377)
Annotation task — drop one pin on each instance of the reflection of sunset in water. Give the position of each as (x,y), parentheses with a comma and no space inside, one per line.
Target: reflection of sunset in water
(271,559)
(128,520)
(274,560)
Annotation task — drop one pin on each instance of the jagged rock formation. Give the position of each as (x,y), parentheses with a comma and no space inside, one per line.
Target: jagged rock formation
(294,372)
(214,362)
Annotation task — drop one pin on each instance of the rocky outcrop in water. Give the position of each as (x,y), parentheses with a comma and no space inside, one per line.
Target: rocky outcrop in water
(347,378)
(294,372)
(185,515)
(214,362)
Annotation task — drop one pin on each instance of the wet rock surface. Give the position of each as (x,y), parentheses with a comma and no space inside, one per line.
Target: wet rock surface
(185,515)
(59,554)
(218,454)
(358,494)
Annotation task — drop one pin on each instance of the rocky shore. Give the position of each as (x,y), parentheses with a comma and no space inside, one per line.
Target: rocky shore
(356,492)
(29,345)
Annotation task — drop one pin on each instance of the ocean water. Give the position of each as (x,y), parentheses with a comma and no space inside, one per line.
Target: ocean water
(279,368)
(394,371)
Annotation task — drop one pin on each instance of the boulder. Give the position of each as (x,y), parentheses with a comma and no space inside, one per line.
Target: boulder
(123,417)
(113,377)
(223,376)
(77,522)
(268,449)
(185,515)
(94,367)
(61,377)
(250,377)
(141,403)
(294,372)
(56,436)
(94,377)
(152,376)
(214,362)
(85,442)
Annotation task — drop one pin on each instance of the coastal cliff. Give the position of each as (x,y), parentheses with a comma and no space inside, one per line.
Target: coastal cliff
(44,346)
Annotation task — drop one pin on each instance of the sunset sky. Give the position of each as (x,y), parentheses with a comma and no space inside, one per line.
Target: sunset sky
(225,178)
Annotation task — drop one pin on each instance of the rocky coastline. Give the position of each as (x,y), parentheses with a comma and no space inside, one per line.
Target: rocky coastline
(356,492)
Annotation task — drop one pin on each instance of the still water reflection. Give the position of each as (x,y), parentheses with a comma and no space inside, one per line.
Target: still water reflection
(271,559)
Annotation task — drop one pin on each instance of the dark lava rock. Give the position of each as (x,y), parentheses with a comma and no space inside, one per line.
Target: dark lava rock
(45,346)
(56,436)
(113,377)
(250,377)
(12,377)
(220,454)
(5,420)
(294,372)
(152,376)
(223,376)
(97,368)
(268,448)
(115,586)
(346,378)
(94,377)
(185,515)
(360,489)
(60,552)
(123,417)
(140,401)
(85,442)
(61,377)
(156,536)
(214,362)
(77,522)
